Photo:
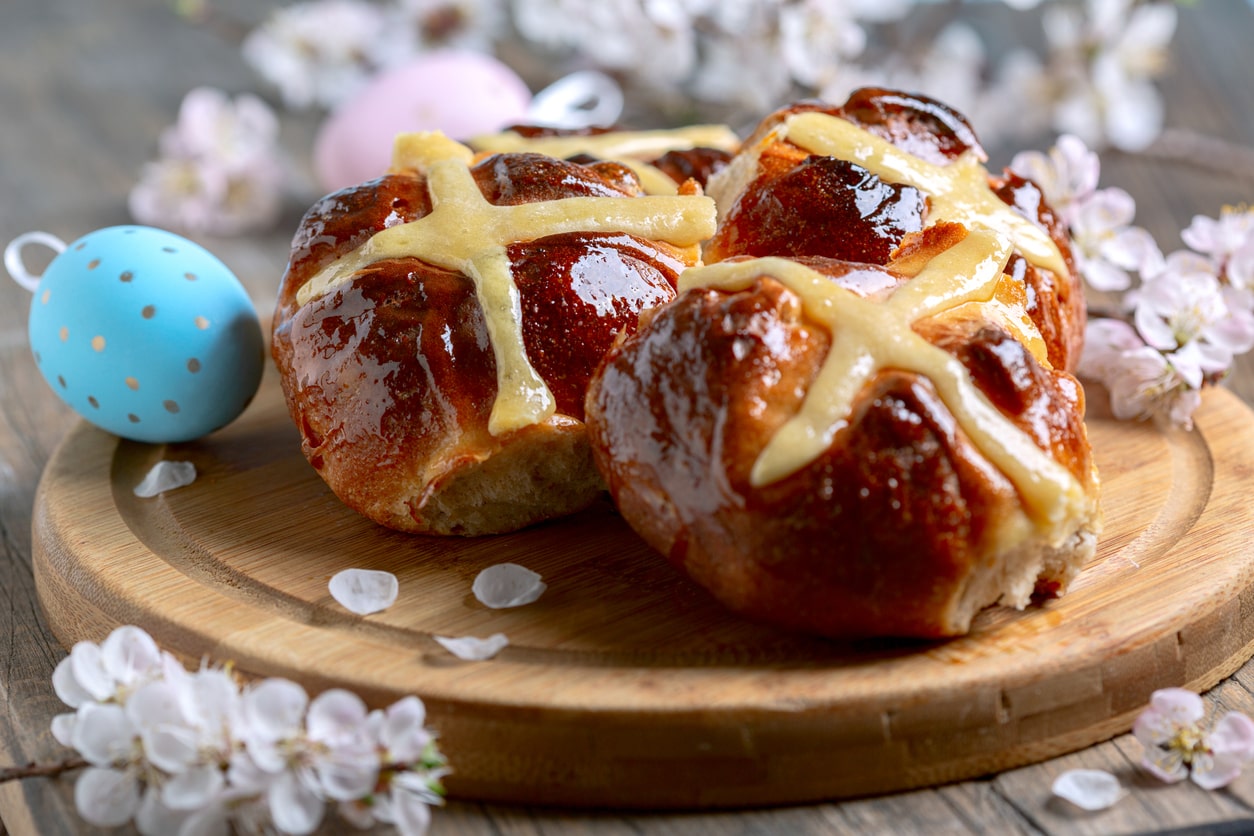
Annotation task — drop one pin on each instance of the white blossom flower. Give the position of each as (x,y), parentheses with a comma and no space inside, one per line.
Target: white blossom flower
(193,744)
(652,40)
(309,752)
(409,783)
(1067,176)
(1228,241)
(317,52)
(1177,745)
(451,24)
(746,55)
(745,73)
(816,37)
(1148,386)
(1103,58)
(1105,244)
(94,678)
(187,752)
(1105,342)
(107,672)
(235,133)
(1017,100)
(1185,312)
(948,67)
(111,737)
(106,797)
(1239,269)
(1141,381)
(220,171)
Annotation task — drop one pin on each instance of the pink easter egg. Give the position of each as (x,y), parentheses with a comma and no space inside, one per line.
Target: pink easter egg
(459,93)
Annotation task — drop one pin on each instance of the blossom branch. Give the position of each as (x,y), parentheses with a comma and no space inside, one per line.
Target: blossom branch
(1185,147)
(1180,319)
(41,770)
(175,750)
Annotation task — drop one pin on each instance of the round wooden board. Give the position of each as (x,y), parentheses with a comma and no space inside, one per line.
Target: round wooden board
(625,685)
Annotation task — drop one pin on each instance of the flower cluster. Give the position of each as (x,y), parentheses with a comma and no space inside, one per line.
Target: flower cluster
(751,55)
(686,58)
(192,752)
(1095,77)
(1177,744)
(1097,81)
(219,172)
(1180,319)
(320,52)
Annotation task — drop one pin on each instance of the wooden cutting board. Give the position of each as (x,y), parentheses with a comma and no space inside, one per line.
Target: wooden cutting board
(625,685)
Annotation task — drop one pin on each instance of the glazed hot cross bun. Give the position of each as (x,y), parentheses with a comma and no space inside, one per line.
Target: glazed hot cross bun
(861,420)
(436,328)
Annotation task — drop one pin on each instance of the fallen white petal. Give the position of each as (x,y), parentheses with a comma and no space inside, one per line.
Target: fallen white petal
(166,476)
(473,649)
(507,585)
(1088,789)
(364,591)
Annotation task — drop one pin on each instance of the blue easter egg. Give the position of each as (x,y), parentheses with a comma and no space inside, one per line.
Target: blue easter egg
(146,334)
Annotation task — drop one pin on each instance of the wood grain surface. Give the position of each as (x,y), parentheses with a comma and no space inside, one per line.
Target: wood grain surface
(625,685)
(86,88)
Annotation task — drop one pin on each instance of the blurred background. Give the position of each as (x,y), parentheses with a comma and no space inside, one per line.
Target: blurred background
(97,125)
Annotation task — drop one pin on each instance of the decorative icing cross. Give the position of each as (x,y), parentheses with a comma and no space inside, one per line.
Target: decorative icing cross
(467,234)
(958,191)
(629,148)
(868,336)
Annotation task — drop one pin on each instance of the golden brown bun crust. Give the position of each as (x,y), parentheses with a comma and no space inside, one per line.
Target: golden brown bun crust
(680,411)
(806,205)
(391,377)
(1055,303)
(898,527)
(697,164)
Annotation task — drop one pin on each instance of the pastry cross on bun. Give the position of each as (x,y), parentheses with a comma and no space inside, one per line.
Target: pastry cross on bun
(436,328)
(662,159)
(861,420)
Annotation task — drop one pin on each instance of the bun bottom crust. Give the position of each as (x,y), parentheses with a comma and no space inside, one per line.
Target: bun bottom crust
(900,528)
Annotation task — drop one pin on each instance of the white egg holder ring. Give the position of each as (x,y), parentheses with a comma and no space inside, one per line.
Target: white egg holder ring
(16,266)
(582,99)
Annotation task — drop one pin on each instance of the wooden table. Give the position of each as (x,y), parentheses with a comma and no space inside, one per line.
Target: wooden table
(85,90)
